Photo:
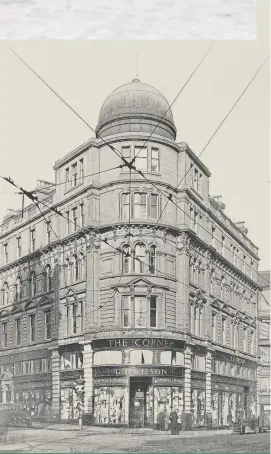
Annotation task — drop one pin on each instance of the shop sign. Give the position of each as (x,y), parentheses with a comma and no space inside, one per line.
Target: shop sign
(264,400)
(234,359)
(139,342)
(138,371)
(68,384)
(110,381)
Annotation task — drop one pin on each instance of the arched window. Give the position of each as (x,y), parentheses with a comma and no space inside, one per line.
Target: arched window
(139,258)
(152,259)
(222,286)
(126,259)
(33,286)
(18,289)
(71,271)
(48,271)
(5,294)
(76,268)
(81,264)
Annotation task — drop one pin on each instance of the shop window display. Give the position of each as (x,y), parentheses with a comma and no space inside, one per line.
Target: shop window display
(165,399)
(68,404)
(37,403)
(198,407)
(215,417)
(109,405)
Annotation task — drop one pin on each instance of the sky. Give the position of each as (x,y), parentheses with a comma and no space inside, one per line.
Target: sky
(37,129)
(132,19)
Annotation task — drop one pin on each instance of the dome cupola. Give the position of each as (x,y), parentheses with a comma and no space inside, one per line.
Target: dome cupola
(136,107)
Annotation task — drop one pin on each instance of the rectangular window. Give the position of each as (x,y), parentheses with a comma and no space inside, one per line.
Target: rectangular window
(32,327)
(140,312)
(125,206)
(196,179)
(67,178)
(33,239)
(48,231)
(154,160)
(213,236)
(252,343)
(48,325)
(18,330)
(195,221)
(81,163)
(153,312)
(214,327)
(141,159)
(222,245)
(224,331)
(154,206)
(4,334)
(245,339)
(74,219)
(19,246)
(126,312)
(74,175)
(82,215)
(140,205)
(67,222)
(5,253)
(74,318)
(126,153)
(233,337)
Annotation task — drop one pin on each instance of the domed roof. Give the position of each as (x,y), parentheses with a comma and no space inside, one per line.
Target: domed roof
(136,107)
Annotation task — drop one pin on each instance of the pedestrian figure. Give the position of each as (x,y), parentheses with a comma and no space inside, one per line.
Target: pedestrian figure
(3,425)
(174,422)
(166,421)
(80,415)
(161,420)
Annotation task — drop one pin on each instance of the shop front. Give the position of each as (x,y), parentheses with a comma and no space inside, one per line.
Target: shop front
(233,396)
(71,370)
(198,405)
(137,396)
(34,395)
(147,379)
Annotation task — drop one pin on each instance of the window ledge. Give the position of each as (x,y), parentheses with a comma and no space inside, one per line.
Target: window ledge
(68,191)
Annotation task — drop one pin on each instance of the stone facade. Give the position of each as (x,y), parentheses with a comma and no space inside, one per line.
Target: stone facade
(169,289)
(264,347)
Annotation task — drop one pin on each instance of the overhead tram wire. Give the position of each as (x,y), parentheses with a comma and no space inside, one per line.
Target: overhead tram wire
(36,200)
(164,274)
(129,165)
(174,100)
(217,129)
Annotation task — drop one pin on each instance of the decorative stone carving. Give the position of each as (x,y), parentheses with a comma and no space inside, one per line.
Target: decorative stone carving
(183,243)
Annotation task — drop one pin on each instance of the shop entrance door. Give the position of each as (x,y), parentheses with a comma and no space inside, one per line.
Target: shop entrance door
(138,389)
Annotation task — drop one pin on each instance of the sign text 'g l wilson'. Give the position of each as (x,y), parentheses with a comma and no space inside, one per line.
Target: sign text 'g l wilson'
(159,371)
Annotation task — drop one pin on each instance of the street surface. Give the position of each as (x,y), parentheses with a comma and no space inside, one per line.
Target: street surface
(98,439)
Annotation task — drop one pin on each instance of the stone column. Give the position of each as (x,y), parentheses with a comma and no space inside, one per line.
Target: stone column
(55,384)
(88,376)
(182,285)
(187,415)
(208,390)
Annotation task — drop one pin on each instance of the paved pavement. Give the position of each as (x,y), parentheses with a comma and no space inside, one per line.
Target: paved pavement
(63,439)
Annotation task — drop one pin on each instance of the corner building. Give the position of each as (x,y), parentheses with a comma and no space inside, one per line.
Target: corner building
(169,324)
